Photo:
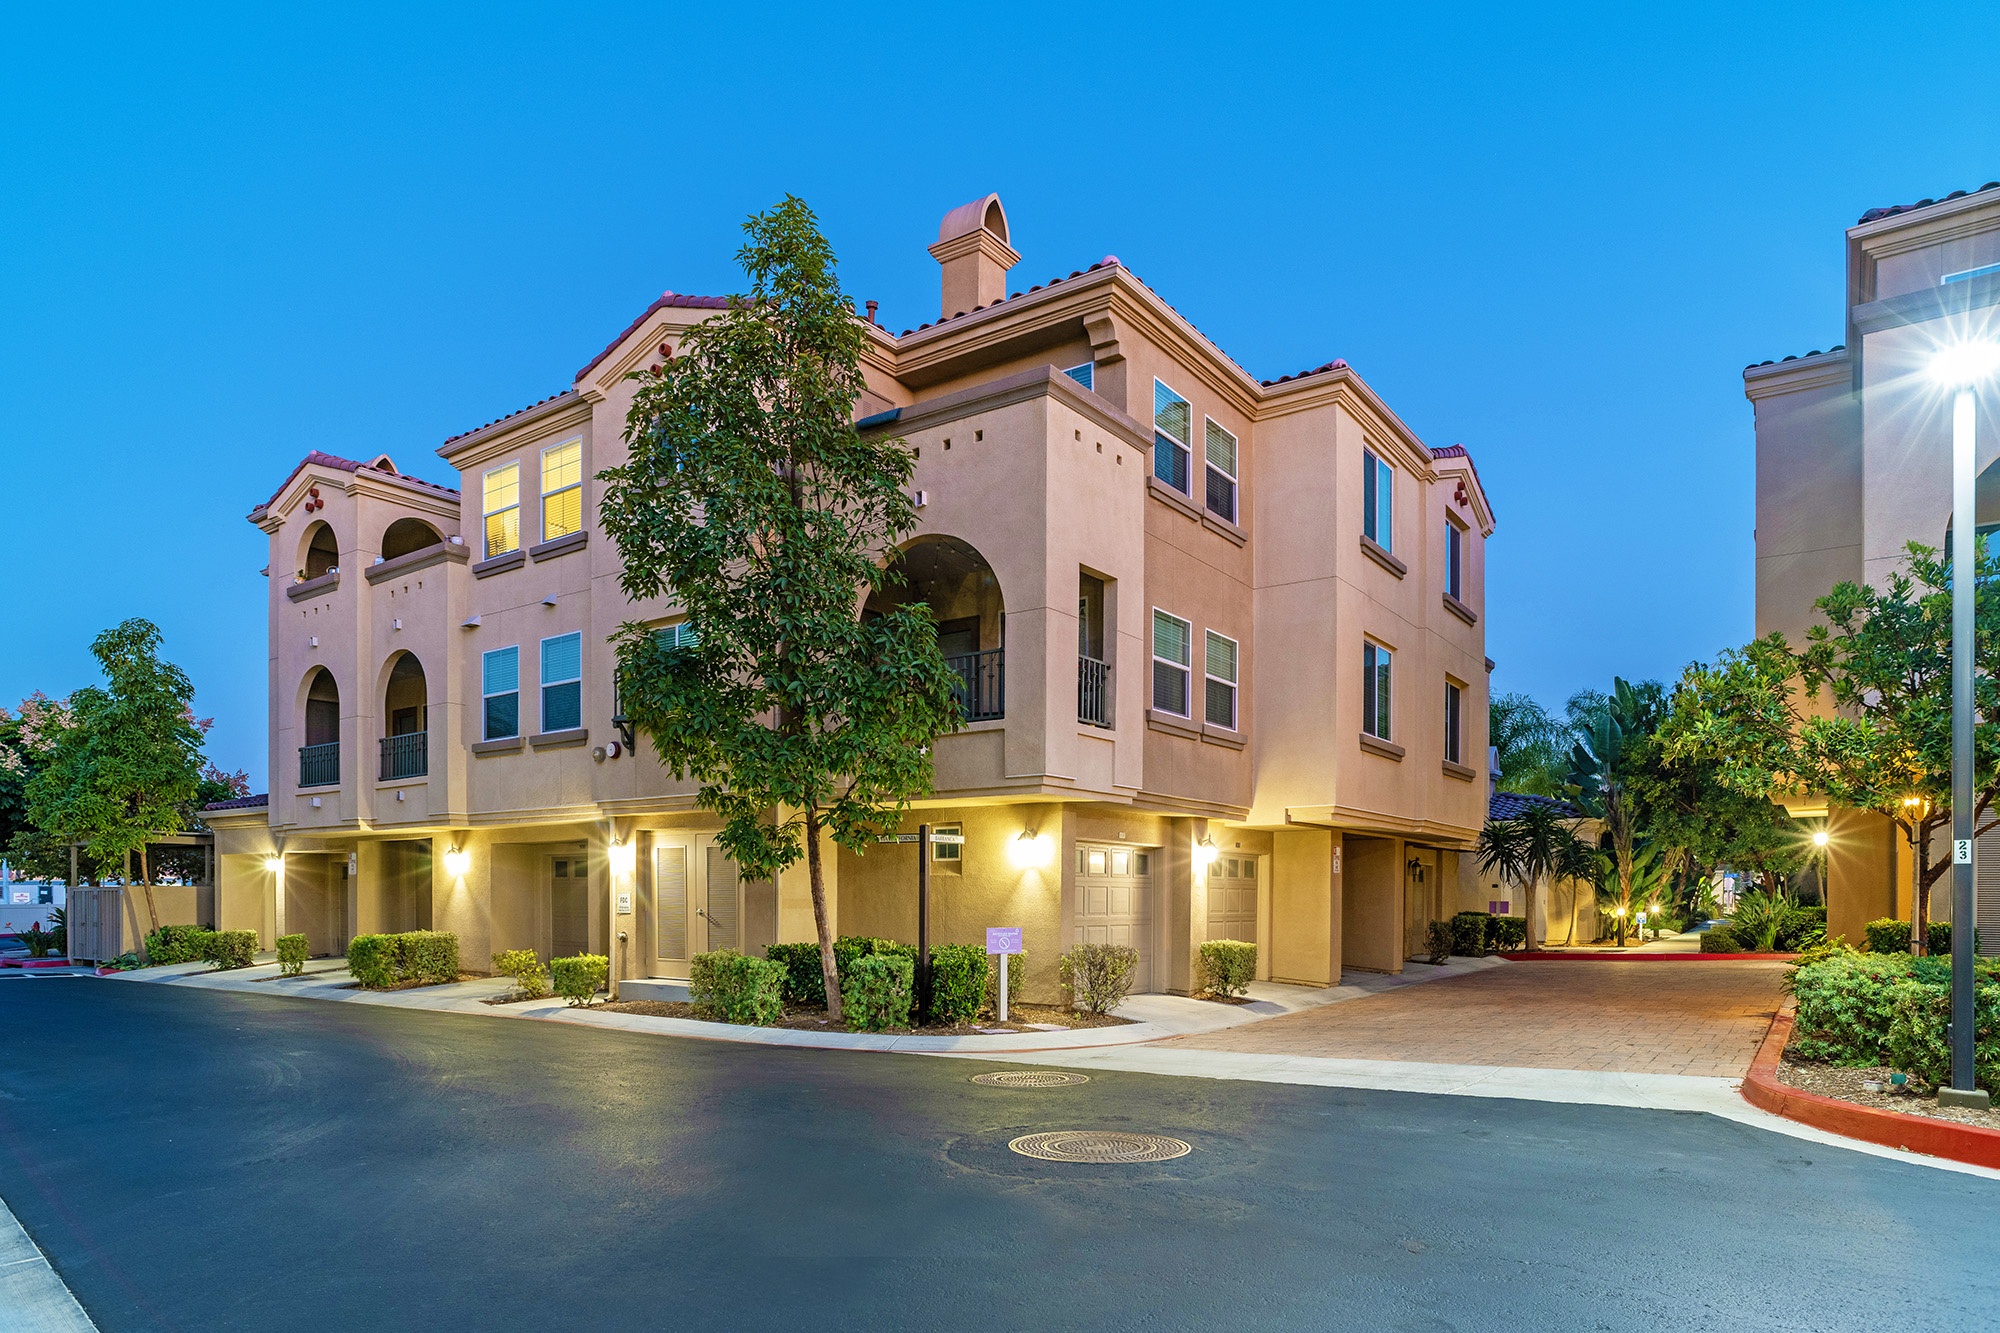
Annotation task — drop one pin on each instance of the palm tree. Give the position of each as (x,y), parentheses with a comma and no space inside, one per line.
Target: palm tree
(1540,843)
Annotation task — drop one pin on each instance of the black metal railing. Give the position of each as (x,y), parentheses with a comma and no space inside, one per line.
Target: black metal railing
(319,765)
(406,756)
(1093,691)
(982,684)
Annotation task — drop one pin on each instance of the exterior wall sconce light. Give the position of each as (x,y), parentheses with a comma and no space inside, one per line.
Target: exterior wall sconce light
(623,857)
(1031,850)
(1205,853)
(1820,838)
(274,864)
(456,862)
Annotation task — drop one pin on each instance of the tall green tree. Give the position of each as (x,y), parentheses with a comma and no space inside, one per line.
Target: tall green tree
(750,499)
(129,764)
(1882,661)
(1605,761)
(1538,845)
(1533,745)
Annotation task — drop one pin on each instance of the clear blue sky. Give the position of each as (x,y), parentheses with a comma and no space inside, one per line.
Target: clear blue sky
(1554,234)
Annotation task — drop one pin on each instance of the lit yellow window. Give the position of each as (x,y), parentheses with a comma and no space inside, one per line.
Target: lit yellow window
(503,510)
(562,490)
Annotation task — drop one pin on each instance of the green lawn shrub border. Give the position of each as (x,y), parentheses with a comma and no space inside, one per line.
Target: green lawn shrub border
(735,988)
(579,979)
(1228,966)
(225,949)
(877,991)
(175,944)
(524,968)
(958,982)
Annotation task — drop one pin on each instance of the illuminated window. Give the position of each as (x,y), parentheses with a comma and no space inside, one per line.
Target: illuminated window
(562,490)
(503,510)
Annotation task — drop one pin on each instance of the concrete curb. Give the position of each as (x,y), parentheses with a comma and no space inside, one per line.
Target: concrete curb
(33,1297)
(1890,1129)
(1613,956)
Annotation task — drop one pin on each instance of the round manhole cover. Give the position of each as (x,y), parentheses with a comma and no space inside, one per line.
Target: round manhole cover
(1099,1145)
(1031,1078)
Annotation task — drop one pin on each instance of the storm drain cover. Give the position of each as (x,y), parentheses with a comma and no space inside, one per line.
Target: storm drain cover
(1099,1145)
(1031,1078)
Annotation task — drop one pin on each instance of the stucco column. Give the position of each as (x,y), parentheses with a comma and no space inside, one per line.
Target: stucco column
(1174,920)
(1304,913)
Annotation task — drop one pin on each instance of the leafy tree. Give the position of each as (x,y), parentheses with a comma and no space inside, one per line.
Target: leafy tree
(1612,743)
(1538,844)
(129,763)
(1533,745)
(750,499)
(1882,661)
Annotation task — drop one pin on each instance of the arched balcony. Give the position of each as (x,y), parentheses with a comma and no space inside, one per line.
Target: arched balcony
(406,535)
(963,594)
(319,757)
(321,553)
(406,707)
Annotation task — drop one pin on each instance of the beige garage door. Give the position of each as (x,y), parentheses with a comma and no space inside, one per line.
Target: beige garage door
(1114,902)
(1232,899)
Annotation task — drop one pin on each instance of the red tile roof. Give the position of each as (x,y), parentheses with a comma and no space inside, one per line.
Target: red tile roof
(1875,214)
(1316,370)
(1460,451)
(666,299)
(240,803)
(318,459)
(511,415)
(1508,804)
(1837,347)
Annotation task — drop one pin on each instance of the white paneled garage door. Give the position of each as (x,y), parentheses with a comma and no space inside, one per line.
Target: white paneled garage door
(1232,899)
(1114,902)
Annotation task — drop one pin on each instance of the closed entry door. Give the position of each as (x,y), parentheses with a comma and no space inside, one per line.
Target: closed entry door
(1232,899)
(569,906)
(1420,886)
(1114,902)
(697,901)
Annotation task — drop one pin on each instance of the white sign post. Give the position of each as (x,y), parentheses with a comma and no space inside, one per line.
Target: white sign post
(1001,941)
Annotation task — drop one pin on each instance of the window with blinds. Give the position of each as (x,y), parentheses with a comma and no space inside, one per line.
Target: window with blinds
(1083,374)
(562,682)
(1378,494)
(1220,456)
(562,489)
(501,489)
(500,685)
(1454,703)
(1172,639)
(1173,438)
(1220,664)
(1375,661)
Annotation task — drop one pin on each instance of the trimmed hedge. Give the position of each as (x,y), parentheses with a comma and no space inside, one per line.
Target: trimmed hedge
(805,982)
(1229,966)
(175,944)
(958,982)
(1469,933)
(1919,1041)
(224,949)
(1888,935)
(1440,937)
(430,956)
(1721,939)
(877,991)
(1508,932)
(736,988)
(578,979)
(1801,928)
(1098,977)
(292,953)
(372,960)
(524,967)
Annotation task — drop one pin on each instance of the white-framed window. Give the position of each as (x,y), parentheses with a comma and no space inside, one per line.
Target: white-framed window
(1454,558)
(1219,452)
(500,686)
(562,682)
(679,635)
(1172,640)
(951,852)
(1173,436)
(1083,374)
(562,489)
(501,490)
(1454,707)
(1378,496)
(1375,663)
(1219,662)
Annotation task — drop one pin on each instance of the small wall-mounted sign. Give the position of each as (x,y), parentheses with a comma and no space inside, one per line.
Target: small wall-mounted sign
(1961,852)
(353,863)
(625,904)
(1336,860)
(897,837)
(956,839)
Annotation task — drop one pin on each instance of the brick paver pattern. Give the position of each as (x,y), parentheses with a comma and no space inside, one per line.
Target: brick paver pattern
(1703,1019)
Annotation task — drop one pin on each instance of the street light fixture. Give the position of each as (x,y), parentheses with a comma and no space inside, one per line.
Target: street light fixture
(1959,368)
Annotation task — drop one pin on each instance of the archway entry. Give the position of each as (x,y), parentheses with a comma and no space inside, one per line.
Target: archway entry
(958,585)
(406,709)
(319,757)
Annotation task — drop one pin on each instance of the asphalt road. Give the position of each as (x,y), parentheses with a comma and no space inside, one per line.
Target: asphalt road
(211,1160)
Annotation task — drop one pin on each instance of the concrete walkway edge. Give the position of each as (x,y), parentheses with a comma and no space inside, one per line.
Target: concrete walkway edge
(33,1298)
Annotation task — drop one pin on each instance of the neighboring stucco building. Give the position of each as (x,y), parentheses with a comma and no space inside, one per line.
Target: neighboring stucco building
(1222,639)
(1853,462)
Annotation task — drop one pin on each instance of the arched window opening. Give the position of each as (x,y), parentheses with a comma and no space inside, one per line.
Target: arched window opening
(958,585)
(406,535)
(322,552)
(406,706)
(319,757)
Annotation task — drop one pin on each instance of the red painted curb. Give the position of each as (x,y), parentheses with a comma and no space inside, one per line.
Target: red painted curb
(1602,955)
(1890,1129)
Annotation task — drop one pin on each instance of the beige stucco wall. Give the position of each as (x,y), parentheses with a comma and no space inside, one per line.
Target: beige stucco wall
(1306,912)
(1372,904)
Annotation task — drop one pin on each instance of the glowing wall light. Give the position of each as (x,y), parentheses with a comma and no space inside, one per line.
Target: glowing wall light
(457,862)
(1032,850)
(624,856)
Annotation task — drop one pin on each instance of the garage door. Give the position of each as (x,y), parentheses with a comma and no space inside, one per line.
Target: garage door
(1232,899)
(1114,902)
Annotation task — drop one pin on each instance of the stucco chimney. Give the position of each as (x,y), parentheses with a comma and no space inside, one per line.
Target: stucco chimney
(972,247)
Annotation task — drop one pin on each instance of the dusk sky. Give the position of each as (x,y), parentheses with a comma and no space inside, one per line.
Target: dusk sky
(1554,234)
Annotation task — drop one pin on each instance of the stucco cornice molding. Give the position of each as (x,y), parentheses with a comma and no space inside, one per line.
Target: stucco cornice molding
(564,413)
(1039,382)
(1927,304)
(377,486)
(1975,213)
(1826,371)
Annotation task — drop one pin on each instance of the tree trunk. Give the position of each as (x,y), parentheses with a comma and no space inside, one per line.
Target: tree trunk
(146,878)
(1528,915)
(828,969)
(1920,898)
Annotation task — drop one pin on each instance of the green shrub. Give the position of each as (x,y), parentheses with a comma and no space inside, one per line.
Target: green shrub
(1439,939)
(1508,932)
(1845,1003)
(1759,920)
(429,956)
(38,940)
(805,982)
(292,953)
(578,979)
(176,944)
(736,988)
(1014,966)
(1801,928)
(125,962)
(524,966)
(1098,977)
(1469,934)
(1817,952)
(877,991)
(1938,936)
(1229,966)
(372,960)
(848,948)
(958,982)
(1721,939)
(1919,1042)
(223,949)
(1888,935)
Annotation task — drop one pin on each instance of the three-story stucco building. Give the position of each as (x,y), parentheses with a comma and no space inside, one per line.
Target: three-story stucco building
(1222,646)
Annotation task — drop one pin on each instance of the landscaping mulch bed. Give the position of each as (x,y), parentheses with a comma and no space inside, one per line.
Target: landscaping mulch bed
(1213,998)
(412,984)
(812,1018)
(514,997)
(1843,1083)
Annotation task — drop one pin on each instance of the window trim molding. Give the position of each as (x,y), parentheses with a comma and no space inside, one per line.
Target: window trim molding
(1234,725)
(1461,610)
(542,481)
(1185,668)
(544,685)
(484,695)
(1375,551)
(485,539)
(1368,690)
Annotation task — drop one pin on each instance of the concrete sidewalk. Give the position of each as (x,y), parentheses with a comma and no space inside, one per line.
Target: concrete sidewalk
(33,1299)
(1154,1016)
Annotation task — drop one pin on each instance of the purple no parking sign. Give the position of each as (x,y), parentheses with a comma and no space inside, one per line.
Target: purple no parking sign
(1003,939)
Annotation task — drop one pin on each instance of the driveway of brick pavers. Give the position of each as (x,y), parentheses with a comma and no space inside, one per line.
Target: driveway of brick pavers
(1703,1019)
